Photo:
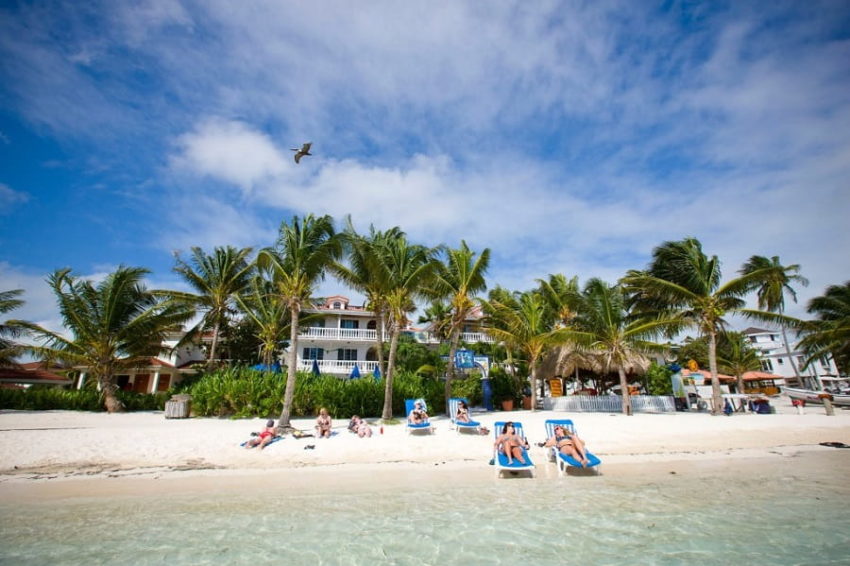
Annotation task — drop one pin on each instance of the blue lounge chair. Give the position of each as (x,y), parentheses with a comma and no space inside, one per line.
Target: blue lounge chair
(501,461)
(472,426)
(409,405)
(564,461)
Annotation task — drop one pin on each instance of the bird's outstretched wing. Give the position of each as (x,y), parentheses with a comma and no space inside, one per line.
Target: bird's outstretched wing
(305,150)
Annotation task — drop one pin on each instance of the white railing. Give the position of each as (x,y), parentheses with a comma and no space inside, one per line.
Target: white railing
(317,333)
(472,337)
(609,403)
(338,367)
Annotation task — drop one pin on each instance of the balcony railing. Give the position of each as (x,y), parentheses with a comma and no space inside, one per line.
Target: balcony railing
(338,367)
(350,334)
(358,335)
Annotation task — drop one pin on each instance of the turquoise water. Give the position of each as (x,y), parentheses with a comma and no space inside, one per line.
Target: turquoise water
(574,520)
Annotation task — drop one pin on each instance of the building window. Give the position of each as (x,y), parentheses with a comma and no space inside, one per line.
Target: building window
(320,323)
(824,363)
(349,324)
(337,305)
(774,338)
(372,325)
(313,354)
(347,355)
(780,361)
(753,339)
(801,361)
(766,365)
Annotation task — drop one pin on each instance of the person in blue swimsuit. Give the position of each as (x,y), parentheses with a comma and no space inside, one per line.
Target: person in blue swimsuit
(568,443)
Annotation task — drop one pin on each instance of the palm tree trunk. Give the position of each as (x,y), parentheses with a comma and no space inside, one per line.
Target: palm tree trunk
(450,373)
(534,386)
(788,351)
(624,389)
(387,413)
(716,408)
(106,379)
(740,377)
(379,341)
(211,359)
(283,425)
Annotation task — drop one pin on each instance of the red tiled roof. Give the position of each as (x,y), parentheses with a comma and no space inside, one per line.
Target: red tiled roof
(14,375)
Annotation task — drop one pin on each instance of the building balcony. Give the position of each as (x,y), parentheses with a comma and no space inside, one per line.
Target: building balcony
(347,334)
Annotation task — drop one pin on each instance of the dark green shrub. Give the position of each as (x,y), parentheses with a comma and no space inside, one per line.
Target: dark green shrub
(658,380)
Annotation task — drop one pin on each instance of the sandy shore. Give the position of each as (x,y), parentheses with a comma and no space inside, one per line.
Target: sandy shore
(56,452)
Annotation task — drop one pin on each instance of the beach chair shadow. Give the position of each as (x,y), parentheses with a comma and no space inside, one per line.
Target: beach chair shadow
(471,426)
(564,461)
(500,461)
(422,428)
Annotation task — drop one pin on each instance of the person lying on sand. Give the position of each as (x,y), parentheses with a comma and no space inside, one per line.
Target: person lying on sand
(265,436)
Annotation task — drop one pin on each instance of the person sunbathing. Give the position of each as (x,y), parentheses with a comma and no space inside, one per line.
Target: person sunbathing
(568,443)
(511,444)
(323,424)
(265,436)
(462,415)
(359,427)
(418,415)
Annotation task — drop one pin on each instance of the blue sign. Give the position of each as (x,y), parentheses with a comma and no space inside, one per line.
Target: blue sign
(465,359)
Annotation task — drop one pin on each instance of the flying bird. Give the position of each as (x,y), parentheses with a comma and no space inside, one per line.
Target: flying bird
(305,150)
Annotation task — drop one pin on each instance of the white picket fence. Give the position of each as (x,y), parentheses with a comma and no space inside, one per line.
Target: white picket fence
(609,404)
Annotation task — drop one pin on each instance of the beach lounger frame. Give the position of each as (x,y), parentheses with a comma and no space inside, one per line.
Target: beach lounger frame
(500,461)
(563,461)
(471,426)
(416,428)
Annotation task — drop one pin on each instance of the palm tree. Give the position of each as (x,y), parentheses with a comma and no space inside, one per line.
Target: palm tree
(684,283)
(604,326)
(364,273)
(829,335)
(736,357)
(216,278)
(304,251)
(265,308)
(458,280)
(115,325)
(8,349)
(407,269)
(519,321)
(439,316)
(774,281)
(562,296)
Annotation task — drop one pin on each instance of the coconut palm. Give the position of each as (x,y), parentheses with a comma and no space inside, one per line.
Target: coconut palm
(407,270)
(774,282)
(305,248)
(562,296)
(829,335)
(216,278)
(265,308)
(8,348)
(682,282)
(365,274)
(115,325)
(439,316)
(519,320)
(458,279)
(604,326)
(736,357)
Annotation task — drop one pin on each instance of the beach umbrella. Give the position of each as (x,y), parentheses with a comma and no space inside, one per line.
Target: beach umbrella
(315,370)
(377,372)
(355,372)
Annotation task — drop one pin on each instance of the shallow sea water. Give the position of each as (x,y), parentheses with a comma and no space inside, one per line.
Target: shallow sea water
(573,520)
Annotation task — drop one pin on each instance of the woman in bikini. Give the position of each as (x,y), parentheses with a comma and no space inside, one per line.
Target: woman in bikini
(568,443)
(462,412)
(323,424)
(511,444)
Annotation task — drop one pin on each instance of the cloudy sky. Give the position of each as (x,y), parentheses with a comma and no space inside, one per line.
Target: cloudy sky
(568,137)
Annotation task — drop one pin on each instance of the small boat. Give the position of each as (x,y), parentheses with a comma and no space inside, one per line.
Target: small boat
(811,396)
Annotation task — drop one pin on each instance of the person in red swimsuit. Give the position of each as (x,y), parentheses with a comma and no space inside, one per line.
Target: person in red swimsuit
(264,437)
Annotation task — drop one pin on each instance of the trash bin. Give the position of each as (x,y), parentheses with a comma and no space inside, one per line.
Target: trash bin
(178,407)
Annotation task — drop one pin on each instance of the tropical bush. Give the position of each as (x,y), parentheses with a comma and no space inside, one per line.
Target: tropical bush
(242,392)
(55,399)
(658,380)
(469,387)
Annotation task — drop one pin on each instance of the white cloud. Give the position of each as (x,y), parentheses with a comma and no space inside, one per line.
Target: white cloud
(9,198)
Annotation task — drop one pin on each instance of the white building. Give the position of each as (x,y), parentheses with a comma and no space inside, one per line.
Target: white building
(774,358)
(341,335)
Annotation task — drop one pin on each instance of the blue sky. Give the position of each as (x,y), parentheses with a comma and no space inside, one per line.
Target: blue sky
(568,137)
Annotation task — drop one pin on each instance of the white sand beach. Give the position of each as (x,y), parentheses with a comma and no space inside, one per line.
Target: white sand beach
(62,451)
